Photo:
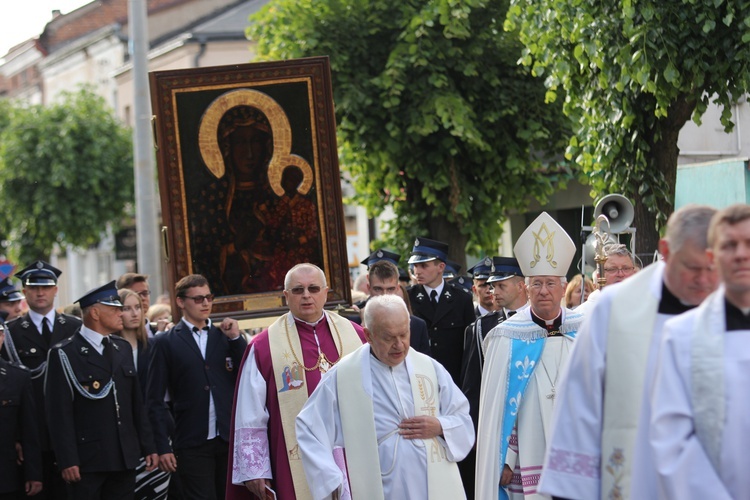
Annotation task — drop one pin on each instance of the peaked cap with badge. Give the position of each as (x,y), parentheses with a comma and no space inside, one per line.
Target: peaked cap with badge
(544,248)
(8,292)
(481,270)
(105,295)
(426,250)
(39,273)
(379,255)
(504,268)
(452,269)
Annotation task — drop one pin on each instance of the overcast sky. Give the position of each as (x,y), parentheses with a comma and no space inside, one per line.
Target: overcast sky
(27,18)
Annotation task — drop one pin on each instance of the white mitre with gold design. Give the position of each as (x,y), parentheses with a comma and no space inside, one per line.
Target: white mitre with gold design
(544,248)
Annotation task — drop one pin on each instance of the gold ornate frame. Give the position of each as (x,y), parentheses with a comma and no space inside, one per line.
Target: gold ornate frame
(296,99)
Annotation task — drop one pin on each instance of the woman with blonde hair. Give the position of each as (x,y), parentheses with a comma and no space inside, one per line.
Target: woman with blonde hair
(573,296)
(149,485)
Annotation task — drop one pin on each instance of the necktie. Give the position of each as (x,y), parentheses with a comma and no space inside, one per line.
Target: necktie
(511,313)
(433,297)
(108,350)
(46,332)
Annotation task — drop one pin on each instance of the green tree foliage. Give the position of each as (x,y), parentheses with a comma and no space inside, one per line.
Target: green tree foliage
(435,117)
(66,172)
(632,73)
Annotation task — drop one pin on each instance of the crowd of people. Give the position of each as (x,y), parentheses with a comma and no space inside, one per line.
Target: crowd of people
(512,383)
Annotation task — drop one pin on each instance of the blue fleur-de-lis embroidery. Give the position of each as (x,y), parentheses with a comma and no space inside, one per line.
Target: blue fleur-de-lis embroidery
(527,366)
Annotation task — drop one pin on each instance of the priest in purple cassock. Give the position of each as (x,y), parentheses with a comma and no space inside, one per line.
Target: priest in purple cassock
(280,369)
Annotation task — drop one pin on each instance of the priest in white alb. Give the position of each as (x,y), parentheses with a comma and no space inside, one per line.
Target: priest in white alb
(700,417)
(524,357)
(599,434)
(401,420)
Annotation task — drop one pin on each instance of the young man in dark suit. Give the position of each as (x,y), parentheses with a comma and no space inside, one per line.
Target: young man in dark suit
(98,423)
(197,363)
(30,339)
(445,307)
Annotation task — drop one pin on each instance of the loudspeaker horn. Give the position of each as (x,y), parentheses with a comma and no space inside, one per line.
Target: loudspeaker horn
(618,209)
(589,250)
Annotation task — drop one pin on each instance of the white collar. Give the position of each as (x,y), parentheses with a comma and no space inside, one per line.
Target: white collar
(36,318)
(438,289)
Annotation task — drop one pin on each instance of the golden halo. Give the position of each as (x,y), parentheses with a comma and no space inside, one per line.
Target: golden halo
(281,131)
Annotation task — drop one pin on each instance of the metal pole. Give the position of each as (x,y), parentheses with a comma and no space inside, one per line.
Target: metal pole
(145,181)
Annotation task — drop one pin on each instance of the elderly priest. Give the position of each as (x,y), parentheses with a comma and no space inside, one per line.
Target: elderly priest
(396,412)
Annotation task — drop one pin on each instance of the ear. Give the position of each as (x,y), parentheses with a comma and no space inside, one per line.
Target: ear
(711,257)
(664,249)
(368,335)
(181,303)
(441,265)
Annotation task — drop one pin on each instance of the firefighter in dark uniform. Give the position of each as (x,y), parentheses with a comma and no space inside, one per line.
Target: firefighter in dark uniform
(11,300)
(98,423)
(18,425)
(31,336)
(445,307)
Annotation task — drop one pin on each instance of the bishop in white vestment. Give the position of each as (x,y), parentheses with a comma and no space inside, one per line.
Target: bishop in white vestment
(397,413)
(524,357)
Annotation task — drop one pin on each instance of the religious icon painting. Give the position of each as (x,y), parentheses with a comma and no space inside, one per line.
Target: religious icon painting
(249,179)
(291,378)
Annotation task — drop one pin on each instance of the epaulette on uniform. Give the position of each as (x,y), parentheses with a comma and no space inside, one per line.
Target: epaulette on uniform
(63,343)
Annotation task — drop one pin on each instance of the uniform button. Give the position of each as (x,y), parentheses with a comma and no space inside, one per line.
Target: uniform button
(205,388)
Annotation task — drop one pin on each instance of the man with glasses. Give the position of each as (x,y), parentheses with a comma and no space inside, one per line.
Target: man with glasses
(602,414)
(98,423)
(524,356)
(197,362)
(31,337)
(280,369)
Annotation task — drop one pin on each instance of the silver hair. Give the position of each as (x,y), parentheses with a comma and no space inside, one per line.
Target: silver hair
(308,268)
(622,251)
(689,223)
(391,304)
(563,279)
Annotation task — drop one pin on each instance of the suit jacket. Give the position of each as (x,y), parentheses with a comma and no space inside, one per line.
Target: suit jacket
(33,351)
(17,423)
(473,360)
(178,366)
(97,435)
(445,323)
(419,339)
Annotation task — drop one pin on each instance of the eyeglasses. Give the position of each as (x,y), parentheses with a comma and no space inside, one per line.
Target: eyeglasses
(144,293)
(616,270)
(198,299)
(299,290)
(538,285)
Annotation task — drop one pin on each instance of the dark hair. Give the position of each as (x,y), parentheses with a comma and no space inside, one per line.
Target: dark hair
(128,279)
(383,270)
(189,281)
